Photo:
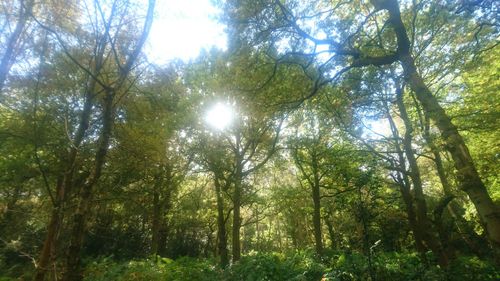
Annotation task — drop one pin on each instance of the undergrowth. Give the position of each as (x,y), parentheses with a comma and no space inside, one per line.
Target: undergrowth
(299,266)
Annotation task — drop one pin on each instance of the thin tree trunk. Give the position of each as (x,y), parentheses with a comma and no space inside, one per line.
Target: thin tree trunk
(236,212)
(412,218)
(363,216)
(162,189)
(404,184)
(73,270)
(318,238)
(63,188)
(257,230)
(313,179)
(43,263)
(155,227)
(278,228)
(422,218)
(162,237)
(331,233)
(467,174)
(221,227)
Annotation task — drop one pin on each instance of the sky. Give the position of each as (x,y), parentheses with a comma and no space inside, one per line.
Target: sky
(182,28)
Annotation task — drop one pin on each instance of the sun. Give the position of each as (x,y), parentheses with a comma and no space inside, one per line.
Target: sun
(220,116)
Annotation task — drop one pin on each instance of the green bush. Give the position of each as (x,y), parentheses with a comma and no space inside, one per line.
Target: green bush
(472,268)
(107,269)
(162,270)
(186,268)
(299,266)
(260,267)
(296,266)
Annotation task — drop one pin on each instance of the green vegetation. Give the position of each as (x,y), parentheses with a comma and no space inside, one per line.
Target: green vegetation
(294,266)
(332,140)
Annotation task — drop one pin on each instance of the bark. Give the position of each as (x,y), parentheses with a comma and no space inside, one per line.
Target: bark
(43,264)
(63,188)
(25,9)
(313,179)
(280,241)
(467,233)
(315,190)
(423,220)
(156,221)
(236,211)
(257,230)
(162,238)
(221,227)
(412,218)
(363,217)
(442,228)
(404,183)
(467,174)
(73,270)
(162,194)
(331,234)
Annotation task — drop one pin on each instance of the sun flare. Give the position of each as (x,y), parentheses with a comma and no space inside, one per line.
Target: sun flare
(219,116)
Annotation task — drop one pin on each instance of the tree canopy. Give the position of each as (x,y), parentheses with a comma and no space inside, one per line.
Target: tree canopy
(331,140)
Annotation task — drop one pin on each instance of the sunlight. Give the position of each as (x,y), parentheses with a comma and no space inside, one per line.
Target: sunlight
(220,116)
(377,129)
(182,28)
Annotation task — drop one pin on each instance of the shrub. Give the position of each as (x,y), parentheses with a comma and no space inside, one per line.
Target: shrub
(107,269)
(296,266)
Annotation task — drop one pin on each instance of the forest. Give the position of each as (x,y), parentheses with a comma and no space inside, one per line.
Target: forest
(330,140)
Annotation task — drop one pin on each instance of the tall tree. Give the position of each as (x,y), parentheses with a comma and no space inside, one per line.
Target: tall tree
(356,36)
(113,90)
(311,148)
(107,67)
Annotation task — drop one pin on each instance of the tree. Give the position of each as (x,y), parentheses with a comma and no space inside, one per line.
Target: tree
(107,82)
(312,149)
(359,39)
(248,146)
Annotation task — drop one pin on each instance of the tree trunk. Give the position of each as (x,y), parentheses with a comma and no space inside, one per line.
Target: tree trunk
(318,238)
(423,220)
(331,234)
(364,217)
(404,183)
(412,218)
(43,266)
(467,174)
(221,227)
(236,213)
(155,227)
(63,188)
(73,270)
(468,235)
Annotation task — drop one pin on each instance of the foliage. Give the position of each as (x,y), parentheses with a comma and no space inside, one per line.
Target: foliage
(298,266)
(100,157)
(163,269)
